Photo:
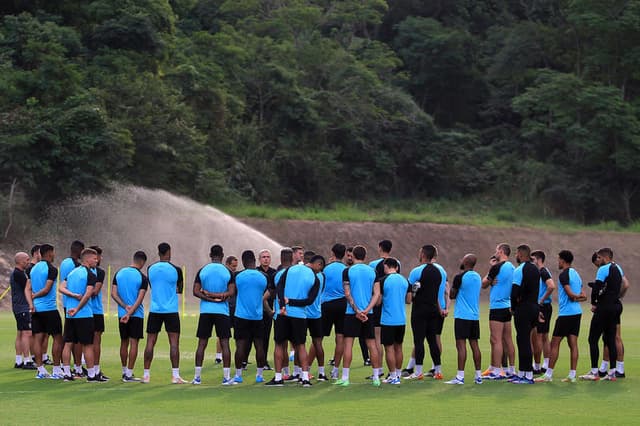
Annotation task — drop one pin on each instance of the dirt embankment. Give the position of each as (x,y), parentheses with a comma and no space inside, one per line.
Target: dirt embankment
(453,241)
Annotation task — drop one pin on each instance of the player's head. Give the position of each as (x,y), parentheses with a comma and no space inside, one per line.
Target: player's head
(359,253)
(538,257)
(565,259)
(76,249)
(216,253)
(605,255)
(35,253)
(298,254)
(139,259)
(428,252)
(338,250)
(523,253)
(503,251)
(390,265)
(286,257)
(21,260)
(164,251)
(349,256)
(264,257)
(317,263)
(98,250)
(232,263)
(307,256)
(89,257)
(384,247)
(248,259)
(468,262)
(47,252)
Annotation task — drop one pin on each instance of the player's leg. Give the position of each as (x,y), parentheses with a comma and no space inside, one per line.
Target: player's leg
(419,328)
(496,329)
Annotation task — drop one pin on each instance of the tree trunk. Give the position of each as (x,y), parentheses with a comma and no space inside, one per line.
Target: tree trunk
(12,191)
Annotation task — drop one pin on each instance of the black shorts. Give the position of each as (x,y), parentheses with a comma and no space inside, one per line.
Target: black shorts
(98,323)
(248,329)
(79,330)
(206,323)
(466,329)
(333,316)
(439,325)
(391,334)
(171,322)
(46,322)
(290,329)
(23,321)
(314,325)
(353,327)
(133,329)
(618,315)
(567,326)
(544,327)
(375,316)
(500,315)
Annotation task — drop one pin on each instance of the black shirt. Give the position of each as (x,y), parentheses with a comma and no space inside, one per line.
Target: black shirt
(426,298)
(527,291)
(18,282)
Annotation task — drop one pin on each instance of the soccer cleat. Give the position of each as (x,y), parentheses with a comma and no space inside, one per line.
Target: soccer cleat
(430,373)
(487,372)
(367,363)
(494,376)
(237,379)
(375,382)
(103,376)
(590,377)
(341,382)
(293,378)
(522,381)
(602,373)
(146,379)
(259,379)
(544,379)
(16,365)
(67,378)
(130,379)
(407,372)
(56,376)
(218,360)
(610,377)
(394,381)
(178,381)
(196,381)
(332,362)
(455,381)
(306,384)
(569,379)
(437,376)
(322,378)
(29,366)
(477,380)
(47,361)
(228,382)
(43,376)
(96,379)
(267,367)
(414,376)
(244,366)
(537,372)
(334,376)
(620,375)
(274,383)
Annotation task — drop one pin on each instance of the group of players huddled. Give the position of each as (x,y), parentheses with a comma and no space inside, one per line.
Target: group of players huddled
(307,295)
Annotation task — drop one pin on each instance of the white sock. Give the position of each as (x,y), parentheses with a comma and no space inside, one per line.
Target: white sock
(291,354)
(278,377)
(297,370)
(398,373)
(226,373)
(259,371)
(572,374)
(238,372)
(594,371)
(334,371)
(612,371)
(175,372)
(478,374)
(218,355)
(545,363)
(493,370)
(512,370)
(411,364)
(128,372)
(198,372)
(460,375)
(418,369)
(67,370)
(82,361)
(285,371)
(549,372)
(96,368)
(529,375)
(305,376)
(124,370)
(91,372)
(604,366)
(345,373)
(536,366)
(146,372)
(438,369)
(18,359)
(45,357)
(620,367)
(321,370)
(78,368)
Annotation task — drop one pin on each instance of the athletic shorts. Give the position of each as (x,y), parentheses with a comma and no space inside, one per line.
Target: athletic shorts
(133,329)
(375,316)
(619,314)
(79,330)
(314,325)
(220,321)
(439,325)
(353,327)
(391,334)
(567,326)
(98,322)
(500,315)
(248,329)
(466,329)
(171,322)
(46,322)
(543,327)
(23,321)
(333,316)
(290,329)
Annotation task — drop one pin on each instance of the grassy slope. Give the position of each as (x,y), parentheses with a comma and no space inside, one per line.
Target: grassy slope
(26,399)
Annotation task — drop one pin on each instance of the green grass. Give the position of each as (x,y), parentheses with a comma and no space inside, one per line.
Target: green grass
(466,212)
(25,399)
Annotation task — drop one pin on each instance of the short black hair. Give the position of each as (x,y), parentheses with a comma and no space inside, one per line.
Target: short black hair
(248,258)
(430,251)
(525,249)
(317,258)
(77,246)
(567,256)
(538,254)
(216,252)
(385,246)
(391,262)
(163,248)
(594,257)
(97,249)
(349,249)
(359,252)
(45,248)
(286,255)
(606,251)
(140,256)
(506,249)
(230,259)
(35,249)
(308,255)
(338,250)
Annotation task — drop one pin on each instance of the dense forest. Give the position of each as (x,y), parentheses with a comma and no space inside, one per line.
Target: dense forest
(296,102)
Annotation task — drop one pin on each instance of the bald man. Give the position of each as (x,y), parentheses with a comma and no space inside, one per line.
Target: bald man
(20,308)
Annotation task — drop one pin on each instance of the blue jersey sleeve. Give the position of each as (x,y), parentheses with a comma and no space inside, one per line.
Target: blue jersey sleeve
(603,273)
(517,276)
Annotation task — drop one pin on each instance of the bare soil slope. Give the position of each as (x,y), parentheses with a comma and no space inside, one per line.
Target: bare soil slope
(453,241)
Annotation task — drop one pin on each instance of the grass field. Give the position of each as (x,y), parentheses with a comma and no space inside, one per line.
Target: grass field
(25,399)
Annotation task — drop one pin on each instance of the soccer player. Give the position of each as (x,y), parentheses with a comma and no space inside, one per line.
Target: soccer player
(298,255)
(35,258)
(79,323)
(314,318)
(606,307)
(264,258)
(334,303)
(500,279)
(67,265)
(251,286)
(230,262)
(128,290)
(395,292)
(166,282)
(524,303)
(540,336)
(297,288)
(466,292)
(214,286)
(362,293)
(570,295)
(98,312)
(20,307)
(45,320)
(428,293)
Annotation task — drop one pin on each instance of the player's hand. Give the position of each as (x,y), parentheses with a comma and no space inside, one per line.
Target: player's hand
(286,300)
(581,297)
(283,311)
(32,309)
(444,313)
(541,317)
(127,308)
(72,311)
(77,296)
(125,319)
(593,308)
